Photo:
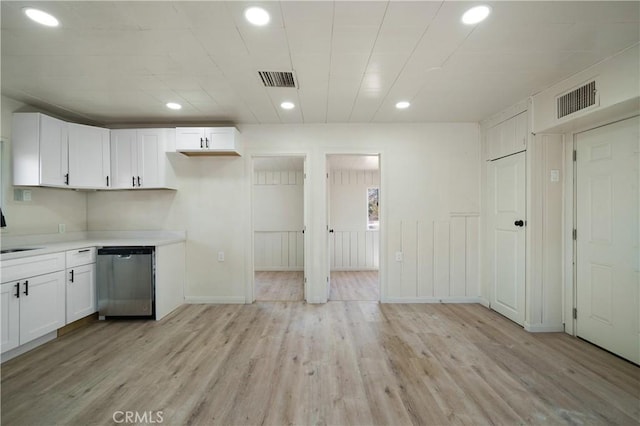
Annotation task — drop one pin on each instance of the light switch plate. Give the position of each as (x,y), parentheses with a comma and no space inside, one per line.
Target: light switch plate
(220,256)
(555,175)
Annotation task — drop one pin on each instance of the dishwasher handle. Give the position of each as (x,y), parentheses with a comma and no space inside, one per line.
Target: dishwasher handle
(123,252)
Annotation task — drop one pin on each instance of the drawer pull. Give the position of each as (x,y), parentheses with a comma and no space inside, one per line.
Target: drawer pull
(84,251)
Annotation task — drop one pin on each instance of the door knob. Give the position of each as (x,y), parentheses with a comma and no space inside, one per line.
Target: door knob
(519,223)
(331,230)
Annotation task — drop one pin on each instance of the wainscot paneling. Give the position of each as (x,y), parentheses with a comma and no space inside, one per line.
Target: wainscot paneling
(354,250)
(279,251)
(439,260)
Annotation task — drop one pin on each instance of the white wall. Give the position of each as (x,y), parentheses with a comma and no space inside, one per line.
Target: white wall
(278,220)
(352,247)
(428,171)
(48,207)
(618,90)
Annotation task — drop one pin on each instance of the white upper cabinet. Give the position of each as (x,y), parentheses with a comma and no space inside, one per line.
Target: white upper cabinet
(52,152)
(139,159)
(40,150)
(508,137)
(208,141)
(89,157)
(123,158)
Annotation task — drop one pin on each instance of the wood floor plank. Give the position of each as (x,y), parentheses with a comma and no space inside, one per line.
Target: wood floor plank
(354,285)
(279,286)
(276,363)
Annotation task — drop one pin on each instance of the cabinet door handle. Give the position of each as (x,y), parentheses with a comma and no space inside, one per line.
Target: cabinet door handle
(107,180)
(71,280)
(138,180)
(84,251)
(207,140)
(133,181)
(201,141)
(66,179)
(17,290)
(26,288)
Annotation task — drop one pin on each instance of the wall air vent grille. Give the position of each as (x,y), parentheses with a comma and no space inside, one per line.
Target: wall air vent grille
(576,100)
(277,78)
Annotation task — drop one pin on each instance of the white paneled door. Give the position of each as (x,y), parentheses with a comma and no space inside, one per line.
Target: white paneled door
(507,232)
(607,237)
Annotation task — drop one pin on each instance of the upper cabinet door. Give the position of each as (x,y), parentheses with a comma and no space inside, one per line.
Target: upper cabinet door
(150,151)
(508,137)
(522,131)
(124,163)
(89,157)
(221,138)
(54,164)
(190,138)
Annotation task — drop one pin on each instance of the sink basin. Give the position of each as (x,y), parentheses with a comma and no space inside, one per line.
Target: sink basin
(15,250)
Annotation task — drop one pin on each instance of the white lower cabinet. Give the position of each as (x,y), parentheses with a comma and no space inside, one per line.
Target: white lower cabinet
(81,292)
(81,283)
(10,317)
(31,308)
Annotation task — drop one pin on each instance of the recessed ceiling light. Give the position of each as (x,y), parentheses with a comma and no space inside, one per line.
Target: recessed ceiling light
(41,17)
(402,105)
(475,15)
(257,16)
(173,105)
(287,105)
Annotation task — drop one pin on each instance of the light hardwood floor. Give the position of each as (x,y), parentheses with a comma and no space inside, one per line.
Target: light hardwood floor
(354,285)
(283,286)
(358,363)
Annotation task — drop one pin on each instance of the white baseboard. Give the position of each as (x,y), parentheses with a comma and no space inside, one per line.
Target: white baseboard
(214,299)
(484,302)
(354,269)
(278,269)
(432,300)
(543,328)
(6,356)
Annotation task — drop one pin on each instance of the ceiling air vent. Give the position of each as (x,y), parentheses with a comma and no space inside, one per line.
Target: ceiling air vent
(577,99)
(277,78)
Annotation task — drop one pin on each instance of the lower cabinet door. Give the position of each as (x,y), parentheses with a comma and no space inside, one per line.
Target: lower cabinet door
(81,292)
(9,317)
(42,305)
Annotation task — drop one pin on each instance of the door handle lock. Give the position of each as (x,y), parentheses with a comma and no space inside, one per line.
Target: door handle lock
(519,223)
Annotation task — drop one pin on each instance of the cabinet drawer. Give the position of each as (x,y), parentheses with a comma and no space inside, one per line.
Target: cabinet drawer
(25,267)
(81,256)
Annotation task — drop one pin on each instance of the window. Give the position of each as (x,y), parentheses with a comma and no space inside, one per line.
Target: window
(373,220)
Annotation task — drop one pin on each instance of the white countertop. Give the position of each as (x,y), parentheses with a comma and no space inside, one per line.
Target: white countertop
(53,243)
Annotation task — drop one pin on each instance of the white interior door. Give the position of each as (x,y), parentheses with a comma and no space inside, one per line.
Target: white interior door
(507,232)
(607,237)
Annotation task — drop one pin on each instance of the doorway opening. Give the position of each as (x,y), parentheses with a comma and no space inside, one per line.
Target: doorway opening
(353,205)
(278,228)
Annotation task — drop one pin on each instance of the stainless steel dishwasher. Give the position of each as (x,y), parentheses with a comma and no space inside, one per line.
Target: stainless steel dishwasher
(126,282)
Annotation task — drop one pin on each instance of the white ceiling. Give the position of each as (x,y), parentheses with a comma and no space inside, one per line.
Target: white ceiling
(119,62)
